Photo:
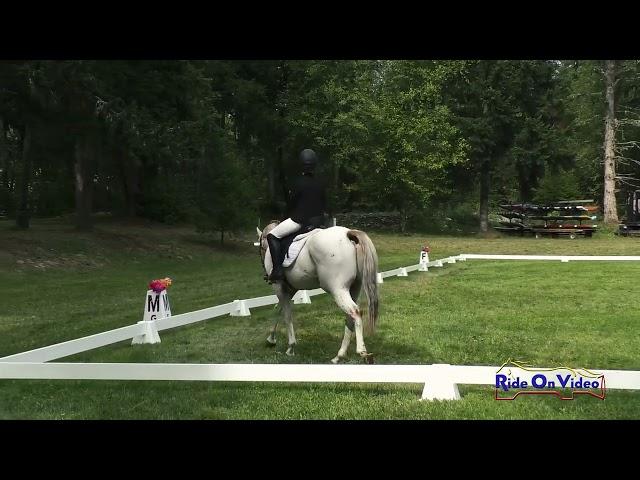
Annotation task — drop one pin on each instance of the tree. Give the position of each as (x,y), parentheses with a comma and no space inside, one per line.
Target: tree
(383,127)
(507,113)
(224,198)
(481,99)
(610,205)
(597,93)
(158,138)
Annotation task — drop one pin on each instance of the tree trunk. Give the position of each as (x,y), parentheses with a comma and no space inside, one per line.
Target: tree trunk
(610,206)
(283,207)
(84,151)
(4,156)
(129,177)
(525,178)
(6,203)
(403,219)
(333,199)
(271,180)
(485,173)
(23,215)
(485,176)
(221,237)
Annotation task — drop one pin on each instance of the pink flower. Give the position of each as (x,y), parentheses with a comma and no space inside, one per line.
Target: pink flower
(160,285)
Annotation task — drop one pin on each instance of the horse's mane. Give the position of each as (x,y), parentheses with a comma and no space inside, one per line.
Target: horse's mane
(270,226)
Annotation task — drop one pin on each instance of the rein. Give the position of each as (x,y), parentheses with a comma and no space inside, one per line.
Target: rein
(263,253)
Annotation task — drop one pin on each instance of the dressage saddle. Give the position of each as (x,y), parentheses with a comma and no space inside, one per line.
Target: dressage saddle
(285,242)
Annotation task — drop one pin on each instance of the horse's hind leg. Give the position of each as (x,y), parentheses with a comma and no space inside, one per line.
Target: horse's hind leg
(343,299)
(349,326)
(271,339)
(346,340)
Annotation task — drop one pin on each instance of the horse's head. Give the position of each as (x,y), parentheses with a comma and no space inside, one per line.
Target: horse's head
(262,234)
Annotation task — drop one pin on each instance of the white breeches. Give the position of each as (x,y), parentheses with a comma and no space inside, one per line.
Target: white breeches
(285,228)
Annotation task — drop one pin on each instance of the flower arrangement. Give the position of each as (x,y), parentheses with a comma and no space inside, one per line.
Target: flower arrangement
(426,249)
(160,285)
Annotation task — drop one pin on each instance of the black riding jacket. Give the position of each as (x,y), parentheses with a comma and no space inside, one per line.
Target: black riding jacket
(308,200)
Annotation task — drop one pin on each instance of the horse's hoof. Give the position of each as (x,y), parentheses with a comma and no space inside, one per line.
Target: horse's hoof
(367,358)
(290,352)
(336,360)
(271,341)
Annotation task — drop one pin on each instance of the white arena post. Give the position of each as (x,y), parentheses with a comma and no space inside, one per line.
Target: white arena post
(301,296)
(439,385)
(403,272)
(240,309)
(379,278)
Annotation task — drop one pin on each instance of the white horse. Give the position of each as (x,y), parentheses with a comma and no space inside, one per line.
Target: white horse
(340,261)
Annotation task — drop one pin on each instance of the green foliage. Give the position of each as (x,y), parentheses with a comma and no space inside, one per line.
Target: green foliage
(558,186)
(382,122)
(508,111)
(224,193)
(170,199)
(583,93)
(396,135)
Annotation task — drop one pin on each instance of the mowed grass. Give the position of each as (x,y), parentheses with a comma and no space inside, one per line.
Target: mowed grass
(58,285)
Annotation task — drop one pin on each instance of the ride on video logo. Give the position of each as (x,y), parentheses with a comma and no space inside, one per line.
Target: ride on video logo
(518,378)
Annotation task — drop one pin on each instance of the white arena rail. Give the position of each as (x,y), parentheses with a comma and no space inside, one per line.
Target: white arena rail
(562,258)
(440,380)
(79,345)
(193,317)
(83,344)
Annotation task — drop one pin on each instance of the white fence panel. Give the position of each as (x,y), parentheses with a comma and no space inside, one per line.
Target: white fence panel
(261,301)
(572,258)
(453,374)
(192,317)
(71,347)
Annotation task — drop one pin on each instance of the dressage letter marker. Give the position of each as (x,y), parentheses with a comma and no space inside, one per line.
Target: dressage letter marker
(156,306)
(424,261)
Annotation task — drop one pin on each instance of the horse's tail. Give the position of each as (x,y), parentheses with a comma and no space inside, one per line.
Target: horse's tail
(368,271)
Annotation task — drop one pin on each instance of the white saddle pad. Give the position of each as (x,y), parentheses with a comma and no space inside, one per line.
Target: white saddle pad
(296,247)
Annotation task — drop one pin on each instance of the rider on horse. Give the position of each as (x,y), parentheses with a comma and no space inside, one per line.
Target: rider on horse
(307,204)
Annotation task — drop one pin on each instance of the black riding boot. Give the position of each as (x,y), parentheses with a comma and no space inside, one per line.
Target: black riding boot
(277,258)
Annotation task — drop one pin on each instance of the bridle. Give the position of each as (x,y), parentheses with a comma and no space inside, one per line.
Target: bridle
(262,251)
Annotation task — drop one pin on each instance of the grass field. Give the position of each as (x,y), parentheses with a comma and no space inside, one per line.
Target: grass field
(59,285)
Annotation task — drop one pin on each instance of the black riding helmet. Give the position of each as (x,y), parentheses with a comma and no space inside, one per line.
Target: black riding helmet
(308,159)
